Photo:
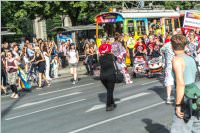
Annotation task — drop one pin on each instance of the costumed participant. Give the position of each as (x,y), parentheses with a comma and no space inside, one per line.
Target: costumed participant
(120,52)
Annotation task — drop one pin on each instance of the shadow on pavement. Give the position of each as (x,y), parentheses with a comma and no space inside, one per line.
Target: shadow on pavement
(161,79)
(160,91)
(9,108)
(96,78)
(154,127)
(72,79)
(102,97)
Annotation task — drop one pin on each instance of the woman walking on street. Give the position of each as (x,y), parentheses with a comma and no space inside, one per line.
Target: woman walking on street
(11,68)
(73,59)
(107,74)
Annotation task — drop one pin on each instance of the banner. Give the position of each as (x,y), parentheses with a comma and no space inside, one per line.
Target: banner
(191,20)
(64,38)
(23,82)
(109,18)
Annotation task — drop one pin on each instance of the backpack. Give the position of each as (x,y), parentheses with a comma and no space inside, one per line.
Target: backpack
(192,92)
(192,96)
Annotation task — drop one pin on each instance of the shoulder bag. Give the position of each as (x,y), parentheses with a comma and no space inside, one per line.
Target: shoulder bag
(119,76)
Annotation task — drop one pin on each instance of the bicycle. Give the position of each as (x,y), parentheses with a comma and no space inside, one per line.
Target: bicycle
(32,76)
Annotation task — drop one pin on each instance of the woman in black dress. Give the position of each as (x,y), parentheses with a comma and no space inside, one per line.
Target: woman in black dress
(40,62)
(107,74)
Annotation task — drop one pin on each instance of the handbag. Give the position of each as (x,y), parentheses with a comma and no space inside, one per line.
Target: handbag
(119,76)
(97,71)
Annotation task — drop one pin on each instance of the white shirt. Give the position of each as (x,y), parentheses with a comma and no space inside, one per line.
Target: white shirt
(45,56)
(73,56)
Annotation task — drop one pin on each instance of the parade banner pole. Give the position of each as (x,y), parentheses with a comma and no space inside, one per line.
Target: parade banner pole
(97,31)
(97,38)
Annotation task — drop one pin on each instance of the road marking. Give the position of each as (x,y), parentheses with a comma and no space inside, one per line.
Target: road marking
(150,82)
(60,79)
(11,118)
(100,106)
(115,118)
(46,100)
(65,89)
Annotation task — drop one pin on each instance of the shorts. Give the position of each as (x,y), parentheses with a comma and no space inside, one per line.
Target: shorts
(12,78)
(169,79)
(73,65)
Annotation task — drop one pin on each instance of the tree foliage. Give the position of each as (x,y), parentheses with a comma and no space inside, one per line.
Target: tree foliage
(18,14)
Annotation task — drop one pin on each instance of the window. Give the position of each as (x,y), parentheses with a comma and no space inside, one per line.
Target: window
(111,28)
(130,26)
(168,25)
(176,23)
(141,29)
(119,27)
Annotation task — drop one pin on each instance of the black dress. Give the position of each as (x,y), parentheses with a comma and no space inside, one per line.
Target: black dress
(41,65)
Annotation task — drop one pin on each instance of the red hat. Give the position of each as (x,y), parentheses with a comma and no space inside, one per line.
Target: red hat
(104,48)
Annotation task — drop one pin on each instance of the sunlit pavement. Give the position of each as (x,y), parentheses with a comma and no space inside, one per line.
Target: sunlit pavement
(64,108)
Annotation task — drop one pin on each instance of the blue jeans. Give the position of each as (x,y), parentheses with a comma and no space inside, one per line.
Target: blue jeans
(179,126)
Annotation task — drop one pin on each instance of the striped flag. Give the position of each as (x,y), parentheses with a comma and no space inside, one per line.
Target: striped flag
(23,77)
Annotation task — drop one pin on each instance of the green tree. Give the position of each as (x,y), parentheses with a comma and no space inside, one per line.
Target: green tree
(184,5)
(19,14)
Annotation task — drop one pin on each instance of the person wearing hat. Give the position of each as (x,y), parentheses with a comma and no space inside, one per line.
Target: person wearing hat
(107,73)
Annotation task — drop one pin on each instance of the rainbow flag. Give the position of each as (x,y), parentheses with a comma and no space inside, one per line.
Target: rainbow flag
(23,77)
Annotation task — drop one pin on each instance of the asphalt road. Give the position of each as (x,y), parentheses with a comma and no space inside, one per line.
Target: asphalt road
(80,108)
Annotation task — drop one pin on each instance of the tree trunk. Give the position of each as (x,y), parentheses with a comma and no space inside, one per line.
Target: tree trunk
(74,16)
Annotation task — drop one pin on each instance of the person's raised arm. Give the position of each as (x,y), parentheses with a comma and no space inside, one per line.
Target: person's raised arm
(6,65)
(16,64)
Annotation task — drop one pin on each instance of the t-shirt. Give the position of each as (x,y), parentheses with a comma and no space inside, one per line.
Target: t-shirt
(73,56)
(140,47)
(30,52)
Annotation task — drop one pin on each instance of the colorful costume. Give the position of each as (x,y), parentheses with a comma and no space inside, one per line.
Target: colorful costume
(120,52)
(169,54)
